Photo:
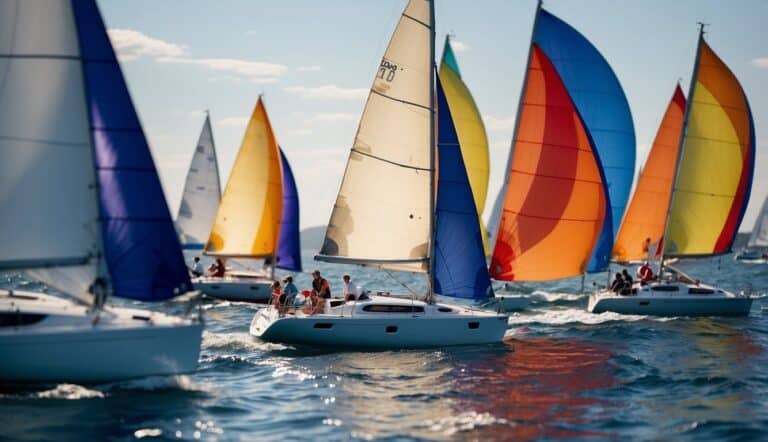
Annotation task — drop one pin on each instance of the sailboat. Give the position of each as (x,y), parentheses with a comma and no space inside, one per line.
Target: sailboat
(389,215)
(257,218)
(755,251)
(83,210)
(473,141)
(202,192)
(556,208)
(712,182)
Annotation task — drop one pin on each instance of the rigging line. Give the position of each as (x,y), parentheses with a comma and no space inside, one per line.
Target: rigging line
(398,281)
(374,91)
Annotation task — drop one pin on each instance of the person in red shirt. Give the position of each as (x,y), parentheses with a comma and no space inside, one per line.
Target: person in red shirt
(645,273)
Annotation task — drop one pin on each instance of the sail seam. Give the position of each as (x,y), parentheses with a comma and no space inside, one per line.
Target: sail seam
(551,218)
(417,21)
(401,101)
(555,177)
(388,161)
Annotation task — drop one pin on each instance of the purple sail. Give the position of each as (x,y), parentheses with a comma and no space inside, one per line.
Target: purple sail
(289,244)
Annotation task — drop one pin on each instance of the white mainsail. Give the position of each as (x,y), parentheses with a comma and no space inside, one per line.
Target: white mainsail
(382,215)
(47,181)
(202,192)
(759,236)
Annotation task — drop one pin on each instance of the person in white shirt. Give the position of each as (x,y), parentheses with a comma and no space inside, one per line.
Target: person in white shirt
(351,291)
(197,268)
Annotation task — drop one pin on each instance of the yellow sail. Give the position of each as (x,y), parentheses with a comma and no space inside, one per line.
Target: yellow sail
(248,220)
(470,130)
(716,163)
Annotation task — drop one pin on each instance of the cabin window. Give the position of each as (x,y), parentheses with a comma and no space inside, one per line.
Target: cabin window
(336,303)
(700,291)
(473,325)
(444,309)
(18,318)
(325,325)
(391,329)
(665,288)
(384,308)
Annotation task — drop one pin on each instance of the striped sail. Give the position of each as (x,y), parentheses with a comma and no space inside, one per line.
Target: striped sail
(470,130)
(602,104)
(555,199)
(460,269)
(643,224)
(759,235)
(717,157)
(202,192)
(382,214)
(76,171)
(289,243)
(248,220)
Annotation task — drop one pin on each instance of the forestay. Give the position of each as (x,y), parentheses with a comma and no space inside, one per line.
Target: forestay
(714,176)
(382,213)
(248,220)
(202,192)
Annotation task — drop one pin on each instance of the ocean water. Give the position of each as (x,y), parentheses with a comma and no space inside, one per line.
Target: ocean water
(561,374)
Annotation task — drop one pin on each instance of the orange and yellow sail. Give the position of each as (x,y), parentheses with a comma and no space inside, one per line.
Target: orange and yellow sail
(470,130)
(248,219)
(555,197)
(643,224)
(716,162)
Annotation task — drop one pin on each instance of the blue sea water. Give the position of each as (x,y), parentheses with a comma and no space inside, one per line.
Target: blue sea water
(561,374)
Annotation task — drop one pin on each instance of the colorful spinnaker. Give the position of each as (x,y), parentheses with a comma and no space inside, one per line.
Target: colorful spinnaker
(248,220)
(643,225)
(556,201)
(555,198)
(600,101)
(469,127)
(289,243)
(460,269)
(202,192)
(716,163)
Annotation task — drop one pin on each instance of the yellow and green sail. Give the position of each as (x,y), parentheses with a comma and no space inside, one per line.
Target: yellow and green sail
(470,130)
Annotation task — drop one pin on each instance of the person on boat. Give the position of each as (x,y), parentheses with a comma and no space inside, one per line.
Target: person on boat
(320,285)
(618,283)
(647,247)
(350,291)
(278,297)
(217,269)
(197,268)
(290,290)
(645,273)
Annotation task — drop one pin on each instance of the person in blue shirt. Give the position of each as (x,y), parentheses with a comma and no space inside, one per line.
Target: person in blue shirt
(290,290)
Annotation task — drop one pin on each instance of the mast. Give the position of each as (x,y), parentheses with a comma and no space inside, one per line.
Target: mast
(520,101)
(432,148)
(681,145)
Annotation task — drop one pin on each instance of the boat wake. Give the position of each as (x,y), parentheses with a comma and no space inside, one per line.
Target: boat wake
(157,383)
(570,316)
(542,296)
(237,341)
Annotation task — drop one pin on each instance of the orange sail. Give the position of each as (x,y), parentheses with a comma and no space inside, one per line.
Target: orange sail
(555,196)
(643,224)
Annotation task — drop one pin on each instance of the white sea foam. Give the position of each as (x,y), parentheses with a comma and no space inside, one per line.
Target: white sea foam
(543,296)
(237,341)
(70,392)
(569,316)
(154,383)
(147,432)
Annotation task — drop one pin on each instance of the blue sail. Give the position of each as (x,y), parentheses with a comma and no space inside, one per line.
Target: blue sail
(141,248)
(460,269)
(289,243)
(600,100)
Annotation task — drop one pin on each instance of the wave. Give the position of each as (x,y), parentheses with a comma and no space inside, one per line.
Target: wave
(158,383)
(542,296)
(68,392)
(570,316)
(237,341)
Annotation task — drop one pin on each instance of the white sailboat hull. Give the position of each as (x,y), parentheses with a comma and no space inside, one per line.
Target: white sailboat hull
(350,325)
(650,300)
(235,288)
(507,302)
(56,340)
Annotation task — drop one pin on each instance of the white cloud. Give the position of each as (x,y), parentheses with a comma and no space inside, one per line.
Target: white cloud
(313,68)
(459,46)
(234,121)
(253,69)
(225,79)
(499,123)
(130,45)
(329,91)
(331,118)
(760,62)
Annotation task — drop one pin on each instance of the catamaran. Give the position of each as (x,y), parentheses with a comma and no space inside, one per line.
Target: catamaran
(389,215)
(257,218)
(202,192)
(565,179)
(709,194)
(83,210)
(755,251)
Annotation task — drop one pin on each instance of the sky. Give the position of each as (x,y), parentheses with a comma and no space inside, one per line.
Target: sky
(314,61)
